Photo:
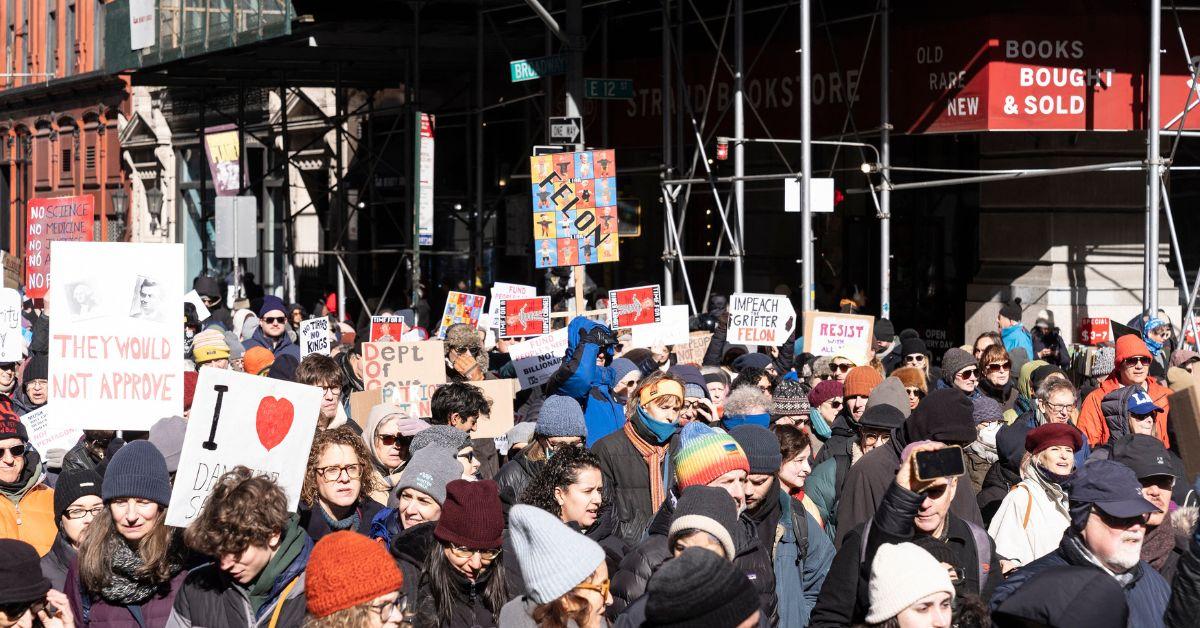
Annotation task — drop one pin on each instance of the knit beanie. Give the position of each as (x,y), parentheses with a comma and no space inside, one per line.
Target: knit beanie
(1012,311)
(884,330)
(189,388)
(913,345)
(1130,346)
(881,417)
(561,416)
(137,470)
(954,361)
(890,393)
(861,380)
(705,454)
(257,360)
(901,575)
(346,569)
(21,578)
(789,398)
(751,361)
(12,427)
(714,375)
(986,409)
(761,447)
(73,484)
(1103,362)
(271,303)
(236,349)
(946,416)
(167,436)
(472,515)
(209,345)
(699,589)
(911,377)
(429,471)
(37,367)
(824,391)
(709,509)
(442,435)
(554,558)
(622,367)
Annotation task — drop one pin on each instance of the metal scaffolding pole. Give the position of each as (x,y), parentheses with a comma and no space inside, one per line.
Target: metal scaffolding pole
(1153,161)
(668,245)
(885,162)
(413,92)
(806,244)
(477,241)
(739,131)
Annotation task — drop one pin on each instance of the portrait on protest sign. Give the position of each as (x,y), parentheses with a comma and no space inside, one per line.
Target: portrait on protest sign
(119,367)
(570,194)
(387,328)
(522,318)
(634,306)
(240,419)
(760,319)
(847,335)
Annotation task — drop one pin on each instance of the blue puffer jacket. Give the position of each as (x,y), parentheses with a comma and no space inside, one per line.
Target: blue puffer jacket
(284,346)
(580,378)
(1016,337)
(798,580)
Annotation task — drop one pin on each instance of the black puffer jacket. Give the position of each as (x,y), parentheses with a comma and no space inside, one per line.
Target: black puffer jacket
(514,476)
(627,480)
(470,609)
(411,549)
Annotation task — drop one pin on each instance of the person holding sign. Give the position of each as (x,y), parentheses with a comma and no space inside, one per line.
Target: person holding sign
(583,378)
(338,482)
(259,551)
(26,503)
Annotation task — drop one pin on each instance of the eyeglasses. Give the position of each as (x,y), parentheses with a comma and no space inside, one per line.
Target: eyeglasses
(916,358)
(870,437)
(996,367)
(386,609)
(834,403)
(390,440)
(1140,360)
(1141,417)
(274,320)
(16,450)
(475,351)
(915,392)
(1059,408)
(601,588)
(841,367)
(469,456)
(80,513)
(36,383)
(466,552)
(332,473)
(968,374)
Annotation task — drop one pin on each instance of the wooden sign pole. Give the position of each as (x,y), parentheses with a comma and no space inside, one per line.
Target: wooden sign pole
(580,306)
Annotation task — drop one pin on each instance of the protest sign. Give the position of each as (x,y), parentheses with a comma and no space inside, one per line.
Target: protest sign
(847,335)
(193,297)
(760,319)
(634,306)
(116,351)
(500,393)
(1185,417)
(502,291)
(221,434)
(574,208)
(693,352)
(461,307)
(12,269)
(536,360)
(12,341)
(361,403)
(45,433)
(522,318)
(387,328)
(672,329)
(67,218)
(314,336)
(397,367)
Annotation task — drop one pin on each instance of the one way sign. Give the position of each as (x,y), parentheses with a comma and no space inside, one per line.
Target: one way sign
(565,130)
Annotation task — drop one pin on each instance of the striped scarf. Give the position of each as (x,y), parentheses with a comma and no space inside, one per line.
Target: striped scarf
(655,457)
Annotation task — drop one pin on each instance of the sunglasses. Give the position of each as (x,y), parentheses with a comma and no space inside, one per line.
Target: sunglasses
(1141,417)
(601,588)
(16,450)
(390,440)
(915,359)
(936,492)
(1120,523)
(915,392)
(841,366)
(968,374)
(274,320)
(475,351)
(996,367)
(835,404)
(1137,361)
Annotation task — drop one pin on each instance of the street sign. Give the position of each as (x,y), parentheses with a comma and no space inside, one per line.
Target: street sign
(237,228)
(608,88)
(532,69)
(566,130)
(822,193)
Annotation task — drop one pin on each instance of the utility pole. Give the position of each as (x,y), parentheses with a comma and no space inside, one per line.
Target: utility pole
(739,136)
(885,162)
(806,243)
(1153,162)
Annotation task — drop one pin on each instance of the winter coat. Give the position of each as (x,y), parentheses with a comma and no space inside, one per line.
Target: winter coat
(411,548)
(78,458)
(469,608)
(580,378)
(1184,606)
(627,480)
(891,360)
(514,476)
(98,613)
(801,563)
(21,403)
(1031,519)
(1059,355)
(27,510)
(57,562)
(1146,594)
(1005,395)
(977,468)
(315,524)
(821,488)
(1017,337)
(488,457)
(844,433)
(1000,479)
(283,346)
(1091,417)
(844,598)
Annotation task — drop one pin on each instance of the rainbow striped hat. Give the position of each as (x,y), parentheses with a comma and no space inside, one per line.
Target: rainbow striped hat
(706,454)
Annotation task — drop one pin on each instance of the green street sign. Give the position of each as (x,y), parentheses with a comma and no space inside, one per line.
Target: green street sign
(607,88)
(532,69)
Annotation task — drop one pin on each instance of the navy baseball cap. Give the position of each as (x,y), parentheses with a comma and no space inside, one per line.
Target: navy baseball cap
(1111,487)
(1141,403)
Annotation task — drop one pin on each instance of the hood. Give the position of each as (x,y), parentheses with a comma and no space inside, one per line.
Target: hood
(579,327)
(1023,382)
(29,478)
(1115,407)
(414,544)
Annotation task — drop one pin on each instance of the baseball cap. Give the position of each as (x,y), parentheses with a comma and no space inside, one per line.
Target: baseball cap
(1141,403)
(1111,487)
(1144,454)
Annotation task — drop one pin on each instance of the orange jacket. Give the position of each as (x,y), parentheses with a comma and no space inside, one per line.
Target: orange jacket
(1091,417)
(32,520)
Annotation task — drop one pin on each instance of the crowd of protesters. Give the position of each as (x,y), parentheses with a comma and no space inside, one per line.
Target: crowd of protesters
(762,487)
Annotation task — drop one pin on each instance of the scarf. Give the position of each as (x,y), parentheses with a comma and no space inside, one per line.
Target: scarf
(349,523)
(1050,483)
(1158,544)
(655,457)
(128,586)
(662,431)
(1073,544)
(734,420)
(290,546)
(820,428)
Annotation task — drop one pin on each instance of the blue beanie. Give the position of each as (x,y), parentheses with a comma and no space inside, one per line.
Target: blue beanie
(137,470)
(561,416)
(271,303)
(622,367)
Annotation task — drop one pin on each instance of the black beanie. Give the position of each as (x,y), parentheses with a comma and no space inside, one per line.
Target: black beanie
(884,330)
(1012,311)
(699,588)
(882,417)
(21,578)
(73,484)
(910,346)
(38,367)
(945,415)
(761,447)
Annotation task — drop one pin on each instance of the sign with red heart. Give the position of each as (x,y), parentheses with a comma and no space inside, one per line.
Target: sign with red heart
(273,420)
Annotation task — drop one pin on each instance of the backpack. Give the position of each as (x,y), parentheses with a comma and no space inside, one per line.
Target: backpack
(983,549)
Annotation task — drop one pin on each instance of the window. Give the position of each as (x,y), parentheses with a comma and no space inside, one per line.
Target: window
(89,157)
(66,161)
(51,46)
(69,45)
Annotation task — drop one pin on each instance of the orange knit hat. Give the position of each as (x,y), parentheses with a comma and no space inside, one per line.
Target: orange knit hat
(257,359)
(860,381)
(346,569)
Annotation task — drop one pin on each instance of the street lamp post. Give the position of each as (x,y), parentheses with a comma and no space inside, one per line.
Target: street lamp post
(119,198)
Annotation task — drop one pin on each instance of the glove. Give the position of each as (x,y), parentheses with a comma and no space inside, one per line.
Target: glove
(54,458)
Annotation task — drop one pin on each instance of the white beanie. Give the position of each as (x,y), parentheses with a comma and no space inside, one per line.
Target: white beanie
(901,575)
(554,558)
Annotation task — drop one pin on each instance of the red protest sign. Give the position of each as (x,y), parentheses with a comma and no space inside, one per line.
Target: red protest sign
(634,306)
(1093,331)
(387,328)
(519,318)
(67,218)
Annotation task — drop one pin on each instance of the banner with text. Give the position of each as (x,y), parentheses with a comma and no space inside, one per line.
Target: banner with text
(315,336)
(574,208)
(847,335)
(67,218)
(404,369)
(760,319)
(537,359)
(46,433)
(387,328)
(12,341)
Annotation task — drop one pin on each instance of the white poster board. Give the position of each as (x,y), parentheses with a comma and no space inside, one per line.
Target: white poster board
(315,336)
(239,419)
(45,433)
(537,359)
(760,319)
(116,347)
(141,23)
(193,297)
(12,341)
(847,335)
(671,329)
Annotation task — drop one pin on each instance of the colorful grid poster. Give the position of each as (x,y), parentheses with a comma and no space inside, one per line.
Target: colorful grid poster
(574,208)
(461,307)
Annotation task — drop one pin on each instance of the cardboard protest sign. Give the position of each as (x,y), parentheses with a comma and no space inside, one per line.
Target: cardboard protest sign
(387,328)
(693,352)
(1185,417)
(500,392)
(522,318)
(315,336)
(574,208)
(502,291)
(12,341)
(67,218)
(116,351)
(396,367)
(537,359)
(46,433)
(361,403)
(239,419)
(193,297)
(671,330)
(634,306)
(760,319)
(461,307)
(847,335)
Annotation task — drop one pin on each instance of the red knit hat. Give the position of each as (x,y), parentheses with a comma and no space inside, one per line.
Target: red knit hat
(1130,346)
(472,515)
(1051,434)
(189,388)
(824,391)
(861,380)
(346,569)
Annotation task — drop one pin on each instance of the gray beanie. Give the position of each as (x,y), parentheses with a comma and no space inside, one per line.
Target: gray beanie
(891,393)
(954,361)
(709,509)
(167,436)
(561,416)
(137,470)
(986,409)
(622,367)
(554,558)
(430,470)
(761,447)
(444,435)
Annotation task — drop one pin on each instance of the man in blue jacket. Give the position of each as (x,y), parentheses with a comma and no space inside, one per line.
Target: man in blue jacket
(1014,335)
(1108,526)
(582,377)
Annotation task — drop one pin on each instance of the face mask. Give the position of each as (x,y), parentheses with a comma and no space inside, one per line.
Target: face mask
(662,431)
(987,435)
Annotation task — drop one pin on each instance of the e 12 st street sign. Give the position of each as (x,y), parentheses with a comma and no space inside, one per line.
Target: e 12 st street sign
(532,69)
(608,88)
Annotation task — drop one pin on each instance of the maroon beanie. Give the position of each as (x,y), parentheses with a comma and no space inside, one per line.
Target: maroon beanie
(471,515)
(824,391)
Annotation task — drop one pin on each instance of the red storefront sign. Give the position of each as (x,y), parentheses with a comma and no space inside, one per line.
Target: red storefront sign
(1093,331)
(53,219)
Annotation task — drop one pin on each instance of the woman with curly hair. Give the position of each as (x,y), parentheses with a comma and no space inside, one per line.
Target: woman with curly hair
(337,485)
